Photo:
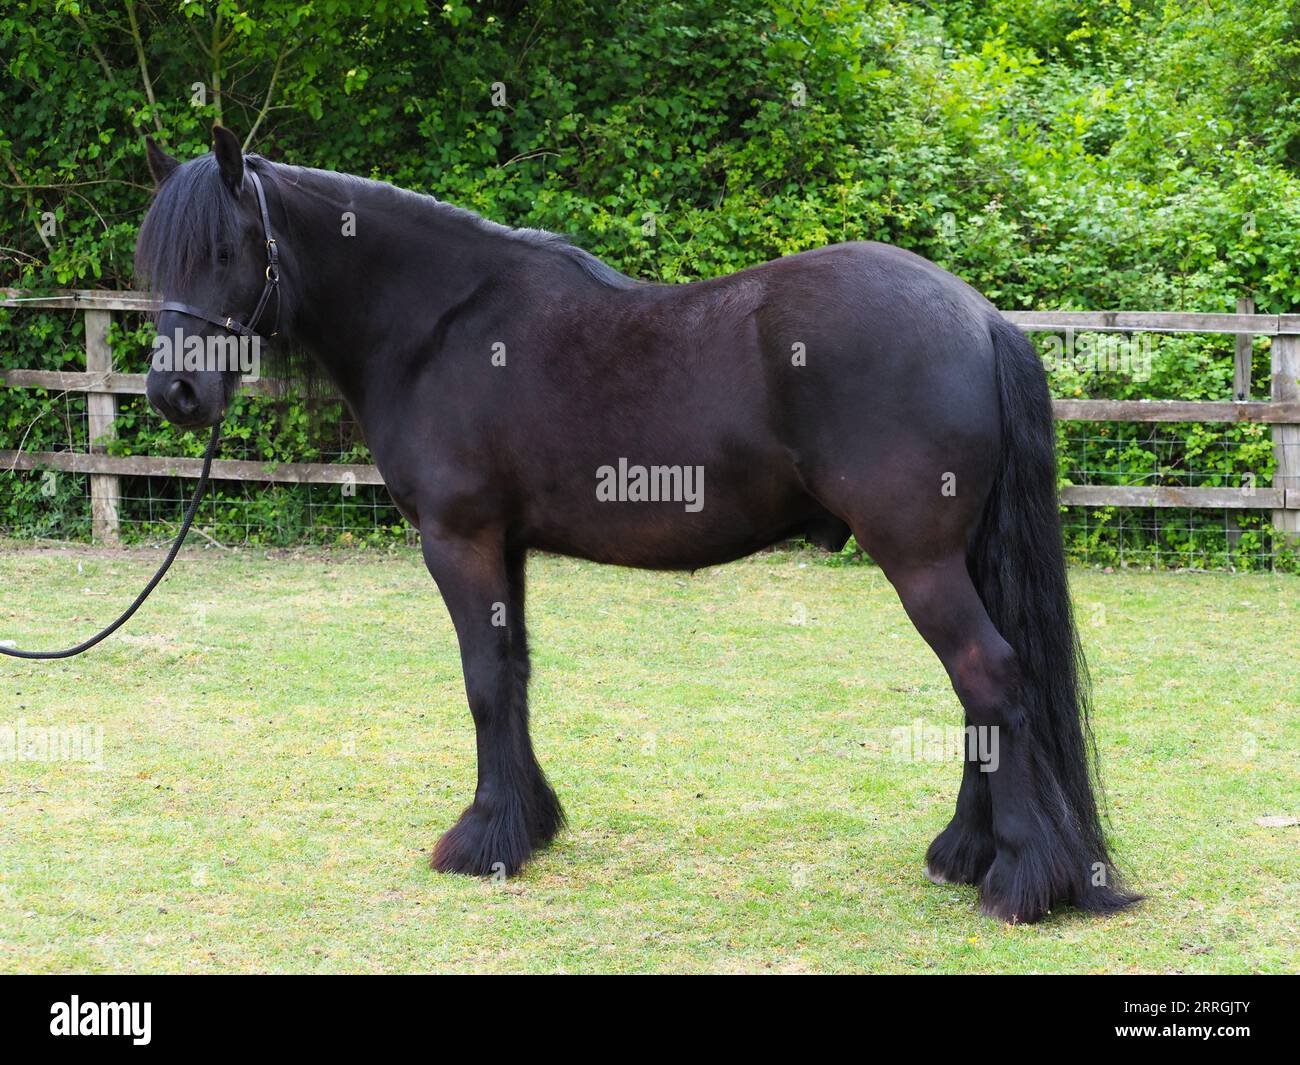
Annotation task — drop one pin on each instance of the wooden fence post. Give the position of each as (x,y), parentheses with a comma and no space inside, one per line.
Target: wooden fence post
(1243,356)
(101,408)
(1241,361)
(1286,438)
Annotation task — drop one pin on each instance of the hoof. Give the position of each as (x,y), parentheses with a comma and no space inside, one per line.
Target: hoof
(1024,888)
(1014,892)
(496,840)
(959,856)
(935,877)
(482,844)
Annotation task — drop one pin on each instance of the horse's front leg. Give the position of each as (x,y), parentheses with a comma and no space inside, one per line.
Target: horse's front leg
(514,810)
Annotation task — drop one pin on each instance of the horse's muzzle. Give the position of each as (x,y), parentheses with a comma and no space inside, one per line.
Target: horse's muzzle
(178,400)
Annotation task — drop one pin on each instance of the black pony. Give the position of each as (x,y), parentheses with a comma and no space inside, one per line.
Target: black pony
(518,394)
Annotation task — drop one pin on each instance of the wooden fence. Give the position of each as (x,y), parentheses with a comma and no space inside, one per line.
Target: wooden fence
(1281,410)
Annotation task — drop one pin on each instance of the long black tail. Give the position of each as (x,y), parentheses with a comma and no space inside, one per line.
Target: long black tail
(1018,564)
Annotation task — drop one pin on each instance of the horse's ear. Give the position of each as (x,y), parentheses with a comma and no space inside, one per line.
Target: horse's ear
(230,157)
(160,163)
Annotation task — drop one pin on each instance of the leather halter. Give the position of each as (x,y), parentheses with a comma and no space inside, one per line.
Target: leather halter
(272,284)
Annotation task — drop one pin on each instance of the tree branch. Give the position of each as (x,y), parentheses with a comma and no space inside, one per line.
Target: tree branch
(103,63)
(27,195)
(215,53)
(144,66)
(266,104)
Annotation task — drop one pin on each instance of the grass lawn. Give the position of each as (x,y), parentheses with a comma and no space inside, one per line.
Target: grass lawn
(284,739)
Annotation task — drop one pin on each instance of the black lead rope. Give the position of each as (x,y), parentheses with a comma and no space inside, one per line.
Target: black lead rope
(104,634)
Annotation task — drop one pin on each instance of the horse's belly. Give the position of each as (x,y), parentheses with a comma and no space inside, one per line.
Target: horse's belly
(703,525)
(661,552)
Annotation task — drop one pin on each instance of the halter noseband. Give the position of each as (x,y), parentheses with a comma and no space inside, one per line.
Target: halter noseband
(272,284)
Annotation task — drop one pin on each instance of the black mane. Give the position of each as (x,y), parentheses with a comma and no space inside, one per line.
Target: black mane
(545,240)
(193,214)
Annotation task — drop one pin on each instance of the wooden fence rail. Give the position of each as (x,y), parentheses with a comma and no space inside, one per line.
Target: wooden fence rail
(1281,411)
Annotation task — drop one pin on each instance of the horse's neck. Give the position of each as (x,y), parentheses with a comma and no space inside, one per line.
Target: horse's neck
(377,271)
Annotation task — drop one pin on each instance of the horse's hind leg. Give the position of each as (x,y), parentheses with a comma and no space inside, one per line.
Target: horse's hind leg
(945,608)
(1038,858)
(514,810)
(921,550)
(963,852)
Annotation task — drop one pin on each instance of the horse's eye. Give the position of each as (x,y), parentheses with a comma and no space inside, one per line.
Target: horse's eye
(223,256)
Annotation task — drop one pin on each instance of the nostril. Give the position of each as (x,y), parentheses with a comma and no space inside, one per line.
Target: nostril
(181,398)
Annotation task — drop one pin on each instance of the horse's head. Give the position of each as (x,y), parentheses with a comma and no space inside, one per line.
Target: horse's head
(204,249)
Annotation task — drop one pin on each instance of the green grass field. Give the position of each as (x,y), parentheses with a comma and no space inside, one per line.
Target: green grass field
(284,739)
